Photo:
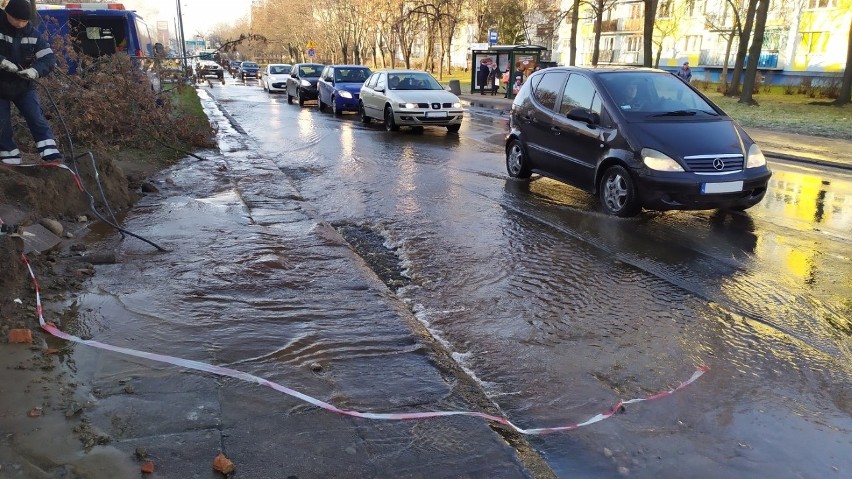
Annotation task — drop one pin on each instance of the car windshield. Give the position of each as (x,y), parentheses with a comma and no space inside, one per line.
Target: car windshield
(310,70)
(351,75)
(250,64)
(278,69)
(413,81)
(654,94)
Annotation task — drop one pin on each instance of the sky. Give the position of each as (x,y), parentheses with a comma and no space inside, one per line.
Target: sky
(199,16)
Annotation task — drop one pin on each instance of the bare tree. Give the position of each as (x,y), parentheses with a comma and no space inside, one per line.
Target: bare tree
(719,22)
(575,23)
(599,7)
(742,49)
(668,24)
(754,53)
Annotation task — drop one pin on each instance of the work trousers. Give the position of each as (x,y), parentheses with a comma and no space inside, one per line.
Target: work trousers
(30,109)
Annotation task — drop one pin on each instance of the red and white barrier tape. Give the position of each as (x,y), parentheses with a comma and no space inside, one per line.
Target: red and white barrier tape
(233,373)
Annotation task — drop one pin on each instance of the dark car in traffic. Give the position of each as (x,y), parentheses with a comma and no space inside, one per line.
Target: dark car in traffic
(302,84)
(635,137)
(249,70)
(339,87)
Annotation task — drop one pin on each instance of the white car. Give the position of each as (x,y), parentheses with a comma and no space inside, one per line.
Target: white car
(409,98)
(274,77)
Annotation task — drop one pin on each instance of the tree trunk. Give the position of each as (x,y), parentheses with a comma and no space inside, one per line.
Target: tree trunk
(754,53)
(648,33)
(846,85)
(596,48)
(659,53)
(723,80)
(575,23)
(745,34)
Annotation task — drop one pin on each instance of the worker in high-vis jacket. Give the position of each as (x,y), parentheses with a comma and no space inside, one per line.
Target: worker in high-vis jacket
(24,57)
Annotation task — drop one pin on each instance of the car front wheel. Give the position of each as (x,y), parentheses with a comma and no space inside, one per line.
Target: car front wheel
(453,128)
(334,110)
(289,98)
(618,192)
(363,114)
(321,104)
(390,124)
(516,161)
(299,97)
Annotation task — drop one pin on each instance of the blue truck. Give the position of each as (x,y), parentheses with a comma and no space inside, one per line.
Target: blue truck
(98,29)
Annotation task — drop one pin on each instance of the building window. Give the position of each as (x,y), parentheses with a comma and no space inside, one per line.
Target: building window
(665,8)
(636,10)
(692,43)
(634,44)
(814,42)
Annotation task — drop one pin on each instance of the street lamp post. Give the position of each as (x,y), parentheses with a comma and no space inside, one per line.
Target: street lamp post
(182,39)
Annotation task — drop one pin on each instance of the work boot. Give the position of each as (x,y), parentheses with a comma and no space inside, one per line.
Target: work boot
(54,158)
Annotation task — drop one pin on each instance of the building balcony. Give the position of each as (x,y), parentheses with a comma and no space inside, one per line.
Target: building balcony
(630,25)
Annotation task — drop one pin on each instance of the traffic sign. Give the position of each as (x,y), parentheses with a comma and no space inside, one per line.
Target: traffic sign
(492,36)
(311,52)
(311,45)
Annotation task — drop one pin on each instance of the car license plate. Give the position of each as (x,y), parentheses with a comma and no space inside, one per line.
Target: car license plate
(726,187)
(436,114)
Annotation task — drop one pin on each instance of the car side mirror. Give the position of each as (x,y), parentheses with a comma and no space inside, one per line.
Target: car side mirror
(585,115)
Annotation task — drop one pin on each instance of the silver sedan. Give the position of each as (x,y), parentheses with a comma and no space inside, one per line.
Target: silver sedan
(409,98)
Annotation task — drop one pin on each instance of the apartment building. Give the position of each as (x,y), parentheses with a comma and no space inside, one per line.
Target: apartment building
(802,37)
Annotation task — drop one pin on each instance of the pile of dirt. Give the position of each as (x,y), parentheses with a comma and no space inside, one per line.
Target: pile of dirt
(42,191)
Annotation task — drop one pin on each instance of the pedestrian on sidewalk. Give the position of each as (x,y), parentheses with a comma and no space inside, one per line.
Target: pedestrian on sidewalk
(685,73)
(24,57)
(494,79)
(482,76)
(506,75)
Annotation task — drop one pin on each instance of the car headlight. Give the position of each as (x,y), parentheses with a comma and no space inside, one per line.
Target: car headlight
(755,157)
(306,83)
(457,105)
(655,160)
(408,105)
(345,94)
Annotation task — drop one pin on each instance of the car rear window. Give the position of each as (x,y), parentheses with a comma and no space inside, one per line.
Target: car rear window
(310,70)
(352,75)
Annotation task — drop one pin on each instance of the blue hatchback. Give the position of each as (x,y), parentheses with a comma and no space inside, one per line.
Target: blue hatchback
(339,87)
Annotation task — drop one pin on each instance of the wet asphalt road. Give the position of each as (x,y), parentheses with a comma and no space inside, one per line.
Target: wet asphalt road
(556,310)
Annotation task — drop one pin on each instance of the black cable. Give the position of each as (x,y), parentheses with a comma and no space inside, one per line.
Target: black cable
(75,170)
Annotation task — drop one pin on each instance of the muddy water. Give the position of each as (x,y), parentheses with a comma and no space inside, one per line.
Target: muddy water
(559,311)
(255,282)
(556,310)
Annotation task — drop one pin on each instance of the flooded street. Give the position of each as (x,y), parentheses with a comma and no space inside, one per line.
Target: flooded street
(553,309)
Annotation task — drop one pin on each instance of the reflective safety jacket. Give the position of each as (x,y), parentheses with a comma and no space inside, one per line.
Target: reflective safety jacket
(27,49)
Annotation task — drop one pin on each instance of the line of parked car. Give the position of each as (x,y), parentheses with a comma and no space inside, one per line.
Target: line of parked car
(636,138)
(411,98)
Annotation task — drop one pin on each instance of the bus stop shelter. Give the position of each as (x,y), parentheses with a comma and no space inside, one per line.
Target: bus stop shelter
(520,59)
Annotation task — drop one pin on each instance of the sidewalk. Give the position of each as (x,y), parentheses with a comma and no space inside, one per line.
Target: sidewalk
(793,147)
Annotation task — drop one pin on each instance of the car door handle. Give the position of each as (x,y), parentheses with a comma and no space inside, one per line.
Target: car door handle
(556,130)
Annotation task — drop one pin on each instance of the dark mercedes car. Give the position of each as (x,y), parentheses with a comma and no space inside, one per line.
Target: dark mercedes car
(302,84)
(635,137)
